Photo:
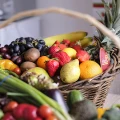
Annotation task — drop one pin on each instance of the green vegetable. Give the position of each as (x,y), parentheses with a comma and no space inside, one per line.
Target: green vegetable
(112,114)
(84,110)
(1,114)
(12,84)
(74,96)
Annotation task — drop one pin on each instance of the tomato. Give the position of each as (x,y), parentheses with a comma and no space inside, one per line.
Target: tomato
(51,118)
(17,70)
(10,106)
(45,111)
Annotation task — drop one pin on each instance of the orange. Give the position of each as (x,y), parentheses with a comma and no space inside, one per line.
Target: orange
(41,62)
(89,69)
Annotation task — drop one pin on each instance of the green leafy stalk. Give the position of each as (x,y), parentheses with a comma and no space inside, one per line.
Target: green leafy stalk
(16,85)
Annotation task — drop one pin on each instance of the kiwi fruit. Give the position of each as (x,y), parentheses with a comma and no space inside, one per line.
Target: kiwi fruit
(32,55)
(27,65)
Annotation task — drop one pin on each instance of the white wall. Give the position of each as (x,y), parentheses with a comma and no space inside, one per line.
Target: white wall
(53,24)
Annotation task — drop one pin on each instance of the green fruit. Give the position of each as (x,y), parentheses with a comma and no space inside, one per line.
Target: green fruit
(74,96)
(1,114)
(39,71)
(70,72)
(83,110)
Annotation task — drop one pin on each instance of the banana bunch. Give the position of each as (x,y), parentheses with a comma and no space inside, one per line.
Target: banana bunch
(79,36)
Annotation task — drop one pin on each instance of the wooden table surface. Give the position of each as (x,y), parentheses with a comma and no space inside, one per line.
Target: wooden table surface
(112,99)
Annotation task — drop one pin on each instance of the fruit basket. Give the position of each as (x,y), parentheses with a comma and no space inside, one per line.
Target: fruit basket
(95,88)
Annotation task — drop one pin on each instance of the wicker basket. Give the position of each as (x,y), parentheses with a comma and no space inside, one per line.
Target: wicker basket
(96,88)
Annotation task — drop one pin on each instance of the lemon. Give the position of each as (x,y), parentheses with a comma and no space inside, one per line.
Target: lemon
(71,52)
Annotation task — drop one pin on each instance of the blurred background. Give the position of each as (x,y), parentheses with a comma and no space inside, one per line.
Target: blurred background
(46,25)
(50,24)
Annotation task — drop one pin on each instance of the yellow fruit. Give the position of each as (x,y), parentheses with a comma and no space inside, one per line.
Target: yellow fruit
(71,52)
(73,36)
(70,72)
(100,112)
(89,69)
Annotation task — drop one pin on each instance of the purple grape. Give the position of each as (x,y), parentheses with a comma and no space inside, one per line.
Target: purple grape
(11,51)
(19,60)
(4,49)
(6,56)
(14,54)
(16,48)
(14,58)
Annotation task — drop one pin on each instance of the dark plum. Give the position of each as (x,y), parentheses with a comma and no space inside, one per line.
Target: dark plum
(6,56)
(16,48)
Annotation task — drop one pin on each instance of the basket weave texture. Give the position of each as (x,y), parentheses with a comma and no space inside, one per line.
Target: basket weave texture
(95,89)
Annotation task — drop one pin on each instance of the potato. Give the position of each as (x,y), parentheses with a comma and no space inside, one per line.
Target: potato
(27,65)
(32,55)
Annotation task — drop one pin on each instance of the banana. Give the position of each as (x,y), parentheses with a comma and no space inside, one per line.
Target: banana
(74,36)
(86,41)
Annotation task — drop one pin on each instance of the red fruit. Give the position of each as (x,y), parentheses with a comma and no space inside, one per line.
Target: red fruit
(58,44)
(8,116)
(18,111)
(30,112)
(82,56)
(51,118)
(77,47)
(38,118)
(62,57)
(44,111)
(66,42)
(52,66)
(17,71)
(10,106)
(72,43)
(53,49)
(62,46)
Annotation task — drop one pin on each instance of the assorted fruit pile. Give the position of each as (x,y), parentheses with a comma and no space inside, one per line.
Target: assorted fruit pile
(66,61)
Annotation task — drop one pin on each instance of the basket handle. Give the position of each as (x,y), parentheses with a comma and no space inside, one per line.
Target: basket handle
(71,13)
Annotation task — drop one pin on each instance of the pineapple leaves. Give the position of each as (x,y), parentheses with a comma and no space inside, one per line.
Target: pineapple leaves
(114,11)
(108,14)
(117,7)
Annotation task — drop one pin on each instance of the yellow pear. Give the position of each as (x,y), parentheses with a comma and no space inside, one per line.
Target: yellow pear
(70,72)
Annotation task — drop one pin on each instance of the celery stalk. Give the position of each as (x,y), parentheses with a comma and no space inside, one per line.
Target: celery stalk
(22,87)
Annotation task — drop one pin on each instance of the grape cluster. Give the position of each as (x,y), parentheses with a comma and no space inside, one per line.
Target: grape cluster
(16,48)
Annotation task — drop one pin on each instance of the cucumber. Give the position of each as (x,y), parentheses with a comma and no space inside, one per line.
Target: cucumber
(74,96)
